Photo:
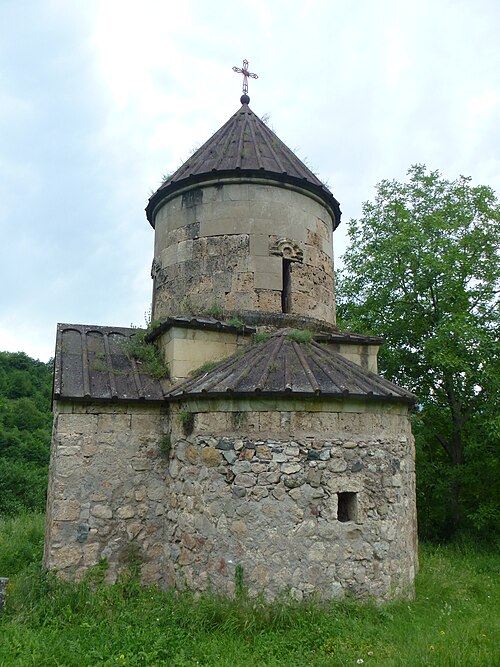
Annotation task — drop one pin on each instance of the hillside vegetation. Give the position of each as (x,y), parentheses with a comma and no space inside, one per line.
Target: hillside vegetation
(25,427)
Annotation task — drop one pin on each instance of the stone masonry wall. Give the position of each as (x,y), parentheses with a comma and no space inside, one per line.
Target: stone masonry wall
(224,246)
(319,501)
(329,509)
(107,486)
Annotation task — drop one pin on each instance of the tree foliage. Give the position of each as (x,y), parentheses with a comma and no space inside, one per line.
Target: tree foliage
(25,427)
(422,269)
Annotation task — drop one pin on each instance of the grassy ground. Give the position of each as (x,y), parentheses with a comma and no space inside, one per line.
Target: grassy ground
(453,621)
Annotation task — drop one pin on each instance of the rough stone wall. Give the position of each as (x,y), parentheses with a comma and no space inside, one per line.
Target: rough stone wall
(319,501)
(107,485)
(261,490)
(224,245)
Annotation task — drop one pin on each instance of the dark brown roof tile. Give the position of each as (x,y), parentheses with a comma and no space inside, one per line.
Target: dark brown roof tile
(283,366)
(244,146)
(91,363)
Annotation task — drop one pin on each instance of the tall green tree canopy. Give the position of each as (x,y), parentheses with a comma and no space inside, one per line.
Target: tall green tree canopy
(422,269)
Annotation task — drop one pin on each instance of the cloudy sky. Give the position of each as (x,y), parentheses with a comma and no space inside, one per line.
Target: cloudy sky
(99,98)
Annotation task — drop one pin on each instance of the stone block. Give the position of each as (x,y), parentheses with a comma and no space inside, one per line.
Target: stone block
(269,265)
(156,491)
(66,467)
(210,457)
(230,456)
(259,244)
(113,423)
(239,528)
(268,281)
(70,450)
(290,468)
(66,557)
(66,510)
(69,424)
(245,479)
(192,454)
(101,511)
(269,301)
(261,575)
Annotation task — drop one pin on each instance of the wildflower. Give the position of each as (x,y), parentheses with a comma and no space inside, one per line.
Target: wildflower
(442,633)
(359,661)
(370,652)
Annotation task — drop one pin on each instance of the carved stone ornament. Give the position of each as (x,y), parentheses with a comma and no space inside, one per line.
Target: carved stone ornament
(288,249)
(155,268)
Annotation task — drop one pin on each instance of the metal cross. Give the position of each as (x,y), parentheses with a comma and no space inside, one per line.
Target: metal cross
(244,70)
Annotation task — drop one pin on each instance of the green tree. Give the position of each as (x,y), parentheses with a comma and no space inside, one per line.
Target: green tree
(25,426)
(422,269)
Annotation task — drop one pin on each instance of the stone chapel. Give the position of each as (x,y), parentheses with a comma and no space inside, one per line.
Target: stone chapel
(273,449)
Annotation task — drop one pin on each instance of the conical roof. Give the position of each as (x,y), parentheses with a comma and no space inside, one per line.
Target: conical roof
(283,366)
(244,146)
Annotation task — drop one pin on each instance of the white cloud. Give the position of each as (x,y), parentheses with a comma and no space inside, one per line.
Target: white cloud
(484,104)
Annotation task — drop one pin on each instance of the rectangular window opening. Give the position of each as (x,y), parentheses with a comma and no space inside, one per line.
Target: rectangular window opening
(286,291)
(347,506)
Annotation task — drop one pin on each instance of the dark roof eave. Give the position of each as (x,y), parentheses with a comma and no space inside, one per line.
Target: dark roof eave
(235,395)
(409,400)
(198,323)
(113,400)
(350,338)
(170,188)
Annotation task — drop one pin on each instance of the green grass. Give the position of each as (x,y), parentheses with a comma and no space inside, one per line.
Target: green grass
(301,337)
(146,354)
(453,620)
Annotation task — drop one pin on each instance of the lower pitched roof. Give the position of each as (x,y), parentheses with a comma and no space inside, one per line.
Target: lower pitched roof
(93,363)
(283,366)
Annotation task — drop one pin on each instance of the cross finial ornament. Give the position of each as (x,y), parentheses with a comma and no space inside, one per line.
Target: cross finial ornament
(246,74)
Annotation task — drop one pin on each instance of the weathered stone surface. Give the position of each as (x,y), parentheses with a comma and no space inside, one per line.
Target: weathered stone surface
(66,510)
(102,511)
(263,452)
(290,468)
(192,454)
(230,456)
(225,444)
(232,262)
(245,479)
(269,477)
(156,491)
(239,528)
(198,515)
(210,457)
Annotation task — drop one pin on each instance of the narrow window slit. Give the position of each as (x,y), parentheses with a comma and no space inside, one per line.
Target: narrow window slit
(286,291)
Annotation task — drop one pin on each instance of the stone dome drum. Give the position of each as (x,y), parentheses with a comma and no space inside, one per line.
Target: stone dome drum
(244,226)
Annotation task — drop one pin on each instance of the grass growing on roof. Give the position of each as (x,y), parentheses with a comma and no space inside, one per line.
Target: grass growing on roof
(146,354)
(204,368)
(261,337)
(300,336)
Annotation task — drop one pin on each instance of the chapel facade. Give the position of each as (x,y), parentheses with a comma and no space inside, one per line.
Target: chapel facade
(273,448)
